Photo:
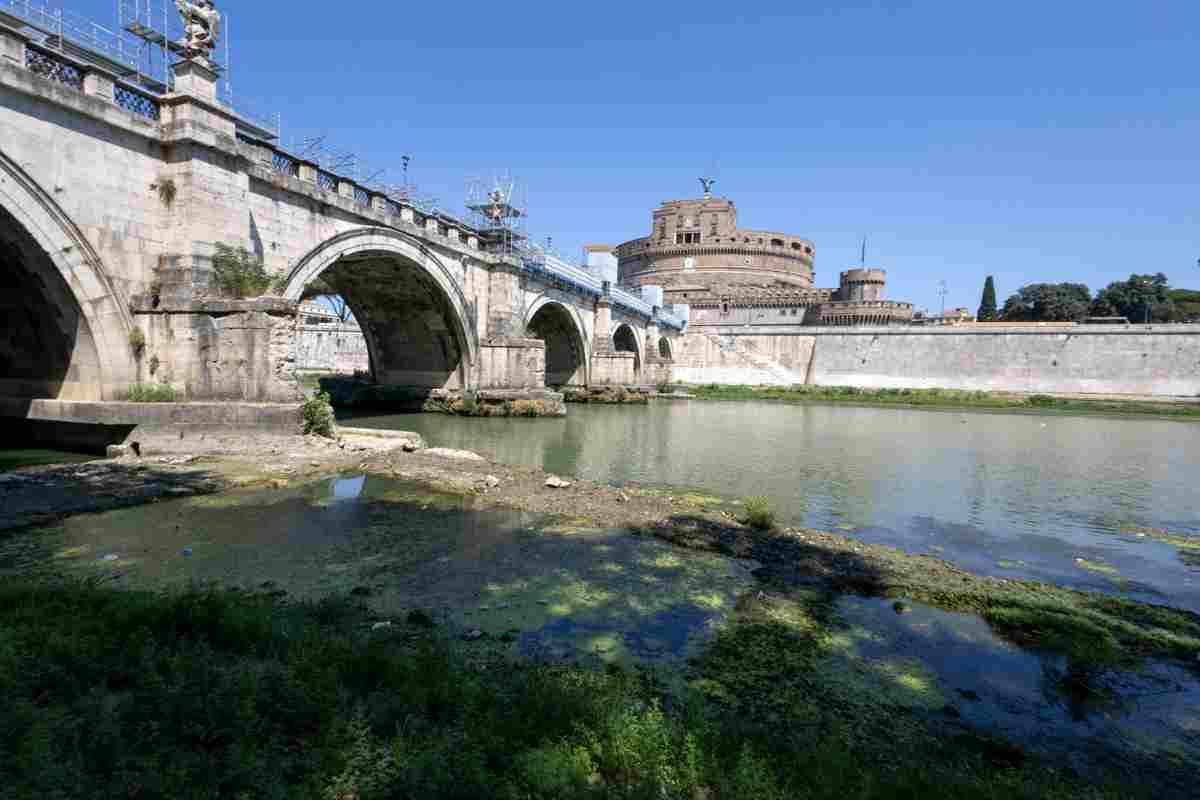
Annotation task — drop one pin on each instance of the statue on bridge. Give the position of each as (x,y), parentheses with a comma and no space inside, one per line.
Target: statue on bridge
(201,25)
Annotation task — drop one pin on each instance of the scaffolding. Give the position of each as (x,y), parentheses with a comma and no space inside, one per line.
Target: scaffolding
(498,211)
(139,51)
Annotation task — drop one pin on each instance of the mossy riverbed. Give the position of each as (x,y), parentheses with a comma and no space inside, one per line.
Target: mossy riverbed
(726,662)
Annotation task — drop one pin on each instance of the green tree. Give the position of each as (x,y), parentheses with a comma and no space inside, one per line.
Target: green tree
(1185,305)
(1141,298)
(987,307)
(1048,302)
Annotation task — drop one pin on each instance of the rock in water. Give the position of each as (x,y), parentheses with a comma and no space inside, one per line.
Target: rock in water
(555,482)
(491,481)
(901,608)
(472,636)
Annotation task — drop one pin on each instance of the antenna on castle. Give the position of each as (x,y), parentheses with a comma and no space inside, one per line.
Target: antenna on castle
(863,262)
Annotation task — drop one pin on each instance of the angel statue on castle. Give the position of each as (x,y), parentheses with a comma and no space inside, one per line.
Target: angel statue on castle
(201,24)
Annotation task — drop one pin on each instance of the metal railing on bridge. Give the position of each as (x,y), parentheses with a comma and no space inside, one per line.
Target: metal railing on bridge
(547,265)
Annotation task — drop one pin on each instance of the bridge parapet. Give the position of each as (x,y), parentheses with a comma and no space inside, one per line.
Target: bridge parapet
(589,285)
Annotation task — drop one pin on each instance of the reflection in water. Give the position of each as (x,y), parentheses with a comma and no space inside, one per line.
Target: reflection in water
(982,489)
(348,488)
(1033,698)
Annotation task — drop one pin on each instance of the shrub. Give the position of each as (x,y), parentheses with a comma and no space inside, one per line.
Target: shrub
(318,416)
(167,190)
(758,513)
(1041,400)
(151,393)
(137,342)
(239,274)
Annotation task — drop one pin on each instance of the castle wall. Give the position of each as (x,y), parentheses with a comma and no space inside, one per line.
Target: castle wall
(1160,360)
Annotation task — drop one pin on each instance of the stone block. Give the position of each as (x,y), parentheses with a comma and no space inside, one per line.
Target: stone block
(99,85)
(12,49)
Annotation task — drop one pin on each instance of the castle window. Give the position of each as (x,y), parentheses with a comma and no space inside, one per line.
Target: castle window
(795,245)
(777,242)
(687,238)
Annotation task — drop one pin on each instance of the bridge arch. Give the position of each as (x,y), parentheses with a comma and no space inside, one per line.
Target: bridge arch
(411,308)
(67,332)
(626,340)
(559,325)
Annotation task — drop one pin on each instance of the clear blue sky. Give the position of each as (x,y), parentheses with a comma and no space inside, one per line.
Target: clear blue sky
(1048,141)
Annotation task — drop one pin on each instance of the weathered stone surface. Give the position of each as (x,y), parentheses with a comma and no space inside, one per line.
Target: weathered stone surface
(555,482)
(455,455)
(1098,359)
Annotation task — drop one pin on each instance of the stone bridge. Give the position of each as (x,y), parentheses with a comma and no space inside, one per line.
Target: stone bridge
(114,200)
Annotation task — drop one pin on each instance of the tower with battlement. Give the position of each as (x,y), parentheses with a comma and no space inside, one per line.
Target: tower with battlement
(730,275)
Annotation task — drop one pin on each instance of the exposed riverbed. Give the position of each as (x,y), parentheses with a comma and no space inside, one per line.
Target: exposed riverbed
(1098,503)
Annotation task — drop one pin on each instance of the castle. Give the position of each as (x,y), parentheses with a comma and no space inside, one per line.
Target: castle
(728,275)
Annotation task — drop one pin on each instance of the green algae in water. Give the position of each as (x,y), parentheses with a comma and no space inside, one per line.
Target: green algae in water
(398,547)
(1096,566)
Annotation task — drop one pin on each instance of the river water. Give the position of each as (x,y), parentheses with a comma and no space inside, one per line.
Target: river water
(1109,504)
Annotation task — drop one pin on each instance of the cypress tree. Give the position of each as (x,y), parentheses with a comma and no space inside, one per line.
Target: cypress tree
(987,308)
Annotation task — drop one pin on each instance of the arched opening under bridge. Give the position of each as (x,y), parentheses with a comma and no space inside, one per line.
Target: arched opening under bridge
(412,314)
(566,354)
(625,341)
(47,346)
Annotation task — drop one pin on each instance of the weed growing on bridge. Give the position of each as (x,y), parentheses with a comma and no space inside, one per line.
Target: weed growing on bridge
(151,393)
(167,190)
(137,342)
(239,274)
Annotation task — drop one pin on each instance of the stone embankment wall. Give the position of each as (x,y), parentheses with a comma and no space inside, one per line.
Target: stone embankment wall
(1100,359)
(331,348)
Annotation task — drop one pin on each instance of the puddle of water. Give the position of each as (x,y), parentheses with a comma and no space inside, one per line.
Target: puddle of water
(396,546)
(956,660)
(349,488)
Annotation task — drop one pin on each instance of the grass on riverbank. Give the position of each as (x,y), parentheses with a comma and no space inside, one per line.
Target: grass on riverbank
(235,695)
(943,398)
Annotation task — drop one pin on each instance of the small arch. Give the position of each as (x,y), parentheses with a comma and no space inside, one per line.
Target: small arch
(558,325)
(664,348)
(625,341)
